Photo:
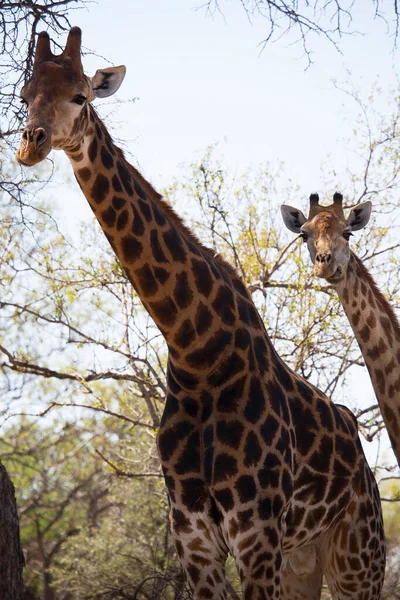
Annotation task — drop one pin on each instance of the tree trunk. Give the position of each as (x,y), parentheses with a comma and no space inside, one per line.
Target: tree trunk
(11,557)
(48,590)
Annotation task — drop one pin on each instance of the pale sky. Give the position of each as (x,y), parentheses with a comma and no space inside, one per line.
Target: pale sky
(201,80)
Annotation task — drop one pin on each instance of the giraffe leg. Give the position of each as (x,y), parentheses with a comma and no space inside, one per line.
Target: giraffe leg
(202,554)
(258,556)
(354,553)
(301,578)
(355,576)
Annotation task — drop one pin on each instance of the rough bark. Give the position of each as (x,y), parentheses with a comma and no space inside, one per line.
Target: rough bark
(11,557)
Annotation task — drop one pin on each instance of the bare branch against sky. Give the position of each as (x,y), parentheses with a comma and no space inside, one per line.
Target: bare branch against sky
(329,19)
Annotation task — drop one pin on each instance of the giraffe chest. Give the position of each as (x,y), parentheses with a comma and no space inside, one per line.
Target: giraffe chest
(249,452)
(226,446)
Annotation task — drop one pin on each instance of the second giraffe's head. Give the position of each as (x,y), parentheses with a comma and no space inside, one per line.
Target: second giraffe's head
(327,233)
(57,97)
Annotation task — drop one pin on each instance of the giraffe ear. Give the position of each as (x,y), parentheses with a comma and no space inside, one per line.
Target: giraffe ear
(359,216)
(292,217)
(107,81)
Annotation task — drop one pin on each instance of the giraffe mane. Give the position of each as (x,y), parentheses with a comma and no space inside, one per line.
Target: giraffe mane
(166,208)
(379,297)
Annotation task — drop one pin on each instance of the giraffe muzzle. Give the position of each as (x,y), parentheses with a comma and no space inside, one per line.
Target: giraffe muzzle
(326,266)
(324,258)
(337,276)
(332,272)
(35,146)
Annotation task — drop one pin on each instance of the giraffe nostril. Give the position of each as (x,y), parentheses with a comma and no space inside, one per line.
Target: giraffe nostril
(324,257)
(40,136)
(25,134)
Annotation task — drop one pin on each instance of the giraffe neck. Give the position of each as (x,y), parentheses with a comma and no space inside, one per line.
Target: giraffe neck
(189,292)
(377,331)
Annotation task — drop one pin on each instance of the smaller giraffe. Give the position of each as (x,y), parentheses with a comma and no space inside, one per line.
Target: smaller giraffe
(327,233)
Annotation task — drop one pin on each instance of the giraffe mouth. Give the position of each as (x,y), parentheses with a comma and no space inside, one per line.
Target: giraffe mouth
(34,147)
(336,276)
(329,272)
(28,158)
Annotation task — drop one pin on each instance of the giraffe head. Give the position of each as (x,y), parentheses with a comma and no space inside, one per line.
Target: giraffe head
(57,96)
(327,233)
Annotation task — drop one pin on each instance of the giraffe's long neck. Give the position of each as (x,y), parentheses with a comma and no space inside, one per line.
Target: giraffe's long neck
(190,293)
(378,334)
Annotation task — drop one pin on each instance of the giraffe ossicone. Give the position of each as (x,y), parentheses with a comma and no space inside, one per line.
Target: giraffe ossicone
(377,330)
(257,462)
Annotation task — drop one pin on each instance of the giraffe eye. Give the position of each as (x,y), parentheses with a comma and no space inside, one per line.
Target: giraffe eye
(304,236)
(347,235)
(24,102)
(80,99)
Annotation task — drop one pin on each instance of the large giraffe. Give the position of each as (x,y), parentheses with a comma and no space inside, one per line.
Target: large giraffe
(375,325)
(257,462)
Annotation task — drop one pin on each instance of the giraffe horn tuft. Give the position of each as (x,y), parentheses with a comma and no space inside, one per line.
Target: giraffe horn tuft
(43,51)
(338,198)
(314,199)
(73,46)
